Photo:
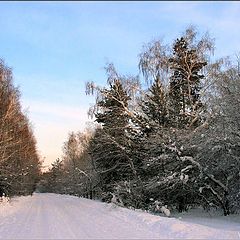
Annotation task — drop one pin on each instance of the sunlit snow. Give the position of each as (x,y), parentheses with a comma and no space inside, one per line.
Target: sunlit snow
(52,216)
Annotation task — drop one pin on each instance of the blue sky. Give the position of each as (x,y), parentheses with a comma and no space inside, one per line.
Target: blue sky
(55,47)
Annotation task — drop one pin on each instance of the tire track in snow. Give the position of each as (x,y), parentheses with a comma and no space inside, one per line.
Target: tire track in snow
(52,216)
(63,218)
(103,226)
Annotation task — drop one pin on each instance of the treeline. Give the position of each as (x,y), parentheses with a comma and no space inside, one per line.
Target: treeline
(175,145)
(19,160)
(74,174)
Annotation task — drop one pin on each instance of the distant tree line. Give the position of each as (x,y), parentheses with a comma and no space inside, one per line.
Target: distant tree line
(174,145)
(19,160)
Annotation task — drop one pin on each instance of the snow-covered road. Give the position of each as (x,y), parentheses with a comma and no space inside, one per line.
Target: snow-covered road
(52,216)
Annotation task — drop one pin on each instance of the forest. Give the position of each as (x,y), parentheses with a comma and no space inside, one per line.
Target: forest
(171,146)
(20,165)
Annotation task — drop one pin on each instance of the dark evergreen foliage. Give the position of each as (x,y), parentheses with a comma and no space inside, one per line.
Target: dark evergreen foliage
(172,148)
(185,84)
(155,104)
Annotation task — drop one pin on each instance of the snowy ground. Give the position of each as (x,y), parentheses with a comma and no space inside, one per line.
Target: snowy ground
(52,216)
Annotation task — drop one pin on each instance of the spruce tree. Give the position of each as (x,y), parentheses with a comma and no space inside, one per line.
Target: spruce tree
(155,104)
(113,116)
(185,83)
(170,173)
(110,148)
